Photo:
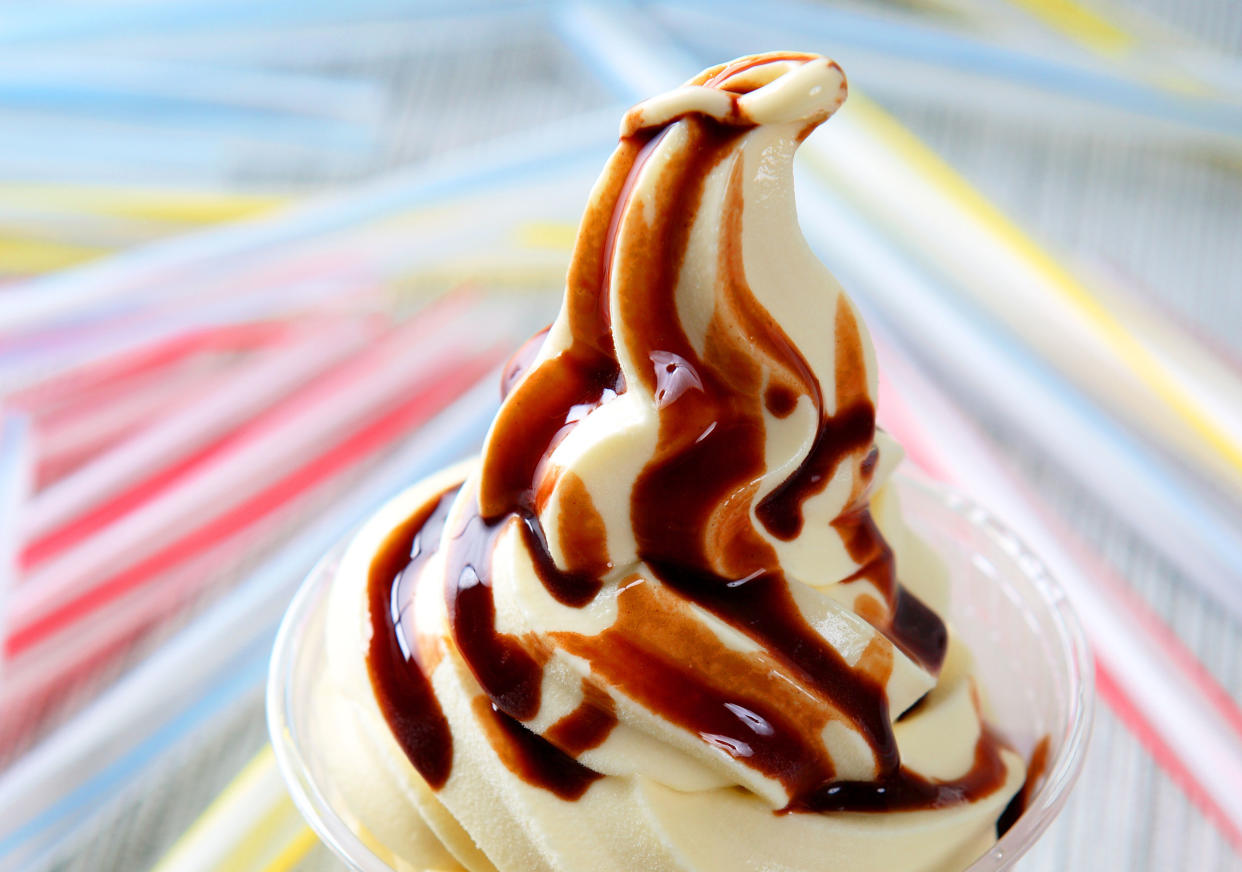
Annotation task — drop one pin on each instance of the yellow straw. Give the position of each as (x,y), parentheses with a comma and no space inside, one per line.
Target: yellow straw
(1110,39)
(294,852)
(24,256)
(252,826)
(1059,281)
(162,204)
(1082,25)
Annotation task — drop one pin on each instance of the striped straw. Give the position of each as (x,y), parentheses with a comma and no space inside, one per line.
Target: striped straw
(69,80)
(1148,48)
(15,469)
(49,22)
(109,558)
(218,657)
(28,357)
(161,579)
(144,275)
(172,205)
(242,392)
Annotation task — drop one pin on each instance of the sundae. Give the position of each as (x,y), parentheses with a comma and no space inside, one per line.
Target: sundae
(671,618)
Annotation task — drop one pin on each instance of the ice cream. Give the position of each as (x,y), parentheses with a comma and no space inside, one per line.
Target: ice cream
(671,619)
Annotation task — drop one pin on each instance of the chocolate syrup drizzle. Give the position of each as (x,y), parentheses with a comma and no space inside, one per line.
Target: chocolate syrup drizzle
(401,680)
(691,515)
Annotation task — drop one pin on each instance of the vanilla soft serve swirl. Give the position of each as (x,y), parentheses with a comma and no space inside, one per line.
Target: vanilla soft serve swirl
(672,618)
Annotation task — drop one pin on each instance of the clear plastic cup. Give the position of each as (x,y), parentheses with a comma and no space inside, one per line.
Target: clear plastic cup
(1031,659)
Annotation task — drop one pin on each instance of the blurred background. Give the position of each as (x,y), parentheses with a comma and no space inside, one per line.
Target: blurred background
(259,264)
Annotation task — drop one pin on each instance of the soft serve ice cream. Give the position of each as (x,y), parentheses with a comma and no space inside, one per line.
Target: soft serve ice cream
(671,619)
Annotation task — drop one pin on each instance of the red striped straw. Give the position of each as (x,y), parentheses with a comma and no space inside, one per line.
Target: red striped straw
(86,409)
(122,607)
(92,551)
(122,363)
(1164,695)
(15,465)
(224,403)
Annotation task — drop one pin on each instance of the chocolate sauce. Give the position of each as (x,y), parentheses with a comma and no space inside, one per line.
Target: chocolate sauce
(919,631)
(668,662)
(1034,775)
(401,680)
(780,400)
(588,725)
(507,672)
(849,430)
(903,790)
(530,757)
(402,684)
(520,362)
(691,515)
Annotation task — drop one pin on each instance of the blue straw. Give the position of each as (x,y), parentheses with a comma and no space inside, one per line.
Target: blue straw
(33,23)
(73,80)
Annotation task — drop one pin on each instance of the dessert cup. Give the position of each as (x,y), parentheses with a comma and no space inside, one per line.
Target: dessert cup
(1031,661)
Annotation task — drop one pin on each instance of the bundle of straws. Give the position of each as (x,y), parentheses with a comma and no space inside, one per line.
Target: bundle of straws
(188,424)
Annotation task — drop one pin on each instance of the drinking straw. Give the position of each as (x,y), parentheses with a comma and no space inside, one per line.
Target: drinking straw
(41,678)
(398,365)
(65,647)
(15,464)
(31,356)
(211,662)
(75,419)
(51,22)
(1184,64)
(242,392)
(1155,682)
(79,80)
(22,256)
(252,826)
(1167,332)
(81,424)
(180,205)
